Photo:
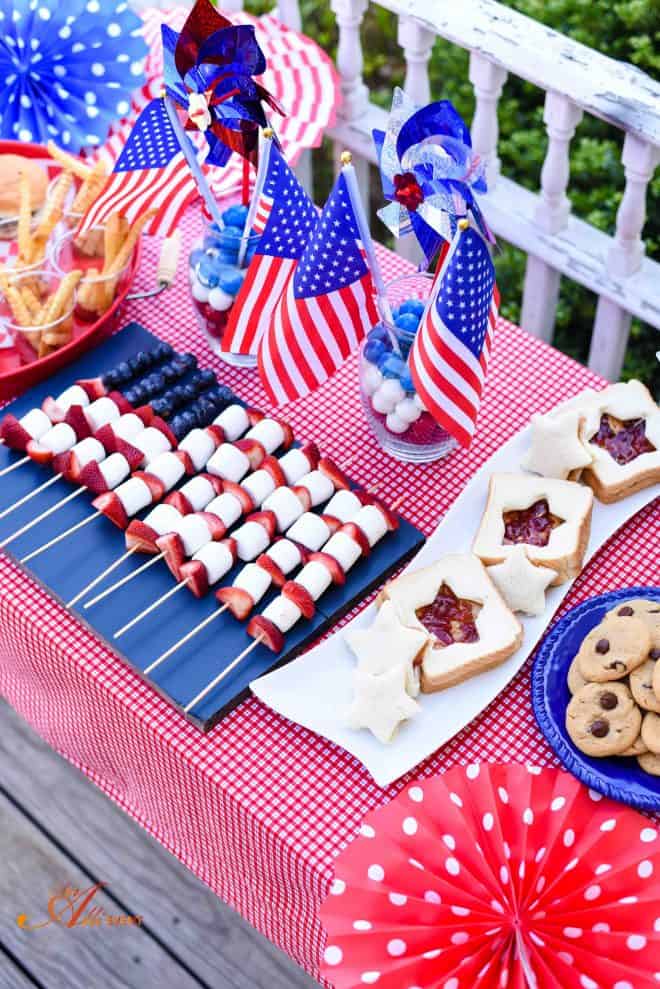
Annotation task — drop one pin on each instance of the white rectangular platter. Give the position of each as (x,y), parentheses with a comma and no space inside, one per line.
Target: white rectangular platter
(315,689)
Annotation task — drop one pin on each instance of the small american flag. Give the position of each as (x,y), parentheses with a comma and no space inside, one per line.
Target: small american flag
(285,217)
(150,173)
(450,354)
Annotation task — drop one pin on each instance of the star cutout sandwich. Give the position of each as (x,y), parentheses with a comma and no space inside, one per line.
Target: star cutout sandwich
(521,584)
(556,449)
(387,644)
(381,703)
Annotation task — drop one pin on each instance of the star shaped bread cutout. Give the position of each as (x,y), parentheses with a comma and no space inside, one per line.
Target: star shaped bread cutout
(386,644)
(521,584)
(556,449)
(381,702)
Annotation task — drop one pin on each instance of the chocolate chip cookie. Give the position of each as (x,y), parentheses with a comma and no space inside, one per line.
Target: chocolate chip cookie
(642,688)
(651,731)
(638,747)
(646,610)
(614,648)
(575,679)
(602,719)
(650,763)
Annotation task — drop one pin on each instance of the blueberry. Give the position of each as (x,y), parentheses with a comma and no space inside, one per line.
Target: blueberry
(414,306)
(138,395)
(407,381)
(162,351)
(178,427)
(392,367)
(123,372)
(111,379)
(225,394)
(162,406)
(207,272)
(206,377)
(169,373)
(235,216)
(189,392)
(177,396)
(130,395)
(157,381)
(189,361)
(374,350)
(407,321)
(207,411)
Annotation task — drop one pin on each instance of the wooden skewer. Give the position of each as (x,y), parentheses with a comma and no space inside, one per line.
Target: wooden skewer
(29,495)
(152,607)
(186,638)
(62,535)
(221,676)
(124,580)
(19,463)
(44,515)
(97,580)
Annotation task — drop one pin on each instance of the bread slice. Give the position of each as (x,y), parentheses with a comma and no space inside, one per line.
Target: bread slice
(624,402)
(499,631)
(567,500)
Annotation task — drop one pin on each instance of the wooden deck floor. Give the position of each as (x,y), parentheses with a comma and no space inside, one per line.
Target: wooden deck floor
(58,830)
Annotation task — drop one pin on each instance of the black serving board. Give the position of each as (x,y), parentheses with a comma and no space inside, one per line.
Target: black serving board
(67,567)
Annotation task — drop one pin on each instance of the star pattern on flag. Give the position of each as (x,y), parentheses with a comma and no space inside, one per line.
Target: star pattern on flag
(466,292)
(333,258)
(152,143)
(292,216)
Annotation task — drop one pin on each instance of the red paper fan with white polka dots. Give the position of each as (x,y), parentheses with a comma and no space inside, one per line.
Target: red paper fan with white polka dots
(497,876)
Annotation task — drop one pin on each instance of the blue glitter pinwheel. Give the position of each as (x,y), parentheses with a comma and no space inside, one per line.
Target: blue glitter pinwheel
(429,173)
(208,69)
(68,69)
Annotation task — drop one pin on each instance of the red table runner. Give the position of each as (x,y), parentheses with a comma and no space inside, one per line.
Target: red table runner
(259,807)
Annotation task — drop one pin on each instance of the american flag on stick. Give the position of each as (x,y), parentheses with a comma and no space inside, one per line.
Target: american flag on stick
(450,354)
(150,173)
(327,307)
(285,217)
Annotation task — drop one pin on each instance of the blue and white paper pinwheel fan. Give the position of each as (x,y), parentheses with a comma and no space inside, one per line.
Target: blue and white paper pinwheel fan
(69,68)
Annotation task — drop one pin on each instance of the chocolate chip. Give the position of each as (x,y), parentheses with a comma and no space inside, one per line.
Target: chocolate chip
(616,665)
(654,654)
(599,728)
(626,611)
(603,646)
(608,701)
(654,611)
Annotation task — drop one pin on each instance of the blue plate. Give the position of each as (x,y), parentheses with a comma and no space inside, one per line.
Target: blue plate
(621,779)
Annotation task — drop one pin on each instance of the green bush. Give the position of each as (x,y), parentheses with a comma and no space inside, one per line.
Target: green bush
(629,31)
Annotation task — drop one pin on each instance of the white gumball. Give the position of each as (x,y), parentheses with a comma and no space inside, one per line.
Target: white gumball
(372,379)
(418,402)
(395,424)
(219,299)
(408,410)
(382,402)
(200,292)
(393,390)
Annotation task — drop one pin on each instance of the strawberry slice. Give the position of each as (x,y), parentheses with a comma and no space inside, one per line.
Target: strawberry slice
(109,504)
(274,572)
(11,431)
(288,434)
(106,436)
(64,464)
(260,627)
(243,496)
(145,413)
(179,501)
(272,465)
(216,483)
(304,552)
(141,537)
(335,473)
(391,518)
(303,496)
(217,433)
(254,416)
(332,523)
(155,485)
(93,386)
(355,533)
(267,519)
(40,454)
(132,454)
(301,597)
(195,574)
(239,602)
(311,451)
(52,410)
(186,460)
(160,424)
(253,450)
(217,527)
(77,419)
(171,545)
(333,567)
(122,404)
(92,478)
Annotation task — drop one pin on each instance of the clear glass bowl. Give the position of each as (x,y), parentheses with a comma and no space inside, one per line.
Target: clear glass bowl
(34,289)
(215,278)
(394,411)
(96,291)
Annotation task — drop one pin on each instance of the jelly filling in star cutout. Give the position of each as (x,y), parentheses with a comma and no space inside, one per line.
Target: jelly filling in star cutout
(531,525)
(450,618)
(624,441)
(407,191)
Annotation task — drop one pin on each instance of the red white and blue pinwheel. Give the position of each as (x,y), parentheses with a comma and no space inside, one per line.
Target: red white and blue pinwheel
(209,69)
(429,172)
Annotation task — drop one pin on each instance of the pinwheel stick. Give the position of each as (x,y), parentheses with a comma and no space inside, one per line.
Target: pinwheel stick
(262,171)
(190,155)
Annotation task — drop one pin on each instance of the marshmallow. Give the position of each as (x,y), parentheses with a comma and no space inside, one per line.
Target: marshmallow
(152,443)
(285,554)
(199,445)
(233,421)
(343,505)
(59,438)
(254,580)
(269,433)
(310,531)
(251,539)
(199,492)
(315,578)
(344,550)
(127,426)
(227,507)
(74,395)
(319,485)
(283,613)
(229,463)
(217,559)
(36,423)
(294,465)
(114,469)
(286,506)
(168,469)
(372,522)
(259,485)
(194,533)
(134,495)
(100,412)
(87,450)
(163,518)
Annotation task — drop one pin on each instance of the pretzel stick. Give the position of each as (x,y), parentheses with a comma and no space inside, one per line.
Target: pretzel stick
(24,219)
(73,164)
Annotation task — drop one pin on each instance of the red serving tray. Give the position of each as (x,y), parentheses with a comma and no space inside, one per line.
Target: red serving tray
(19,367)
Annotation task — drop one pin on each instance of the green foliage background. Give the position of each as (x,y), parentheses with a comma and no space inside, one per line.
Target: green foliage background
(629,31)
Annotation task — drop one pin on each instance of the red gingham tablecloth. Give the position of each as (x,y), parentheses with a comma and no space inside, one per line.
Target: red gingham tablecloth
(259,807)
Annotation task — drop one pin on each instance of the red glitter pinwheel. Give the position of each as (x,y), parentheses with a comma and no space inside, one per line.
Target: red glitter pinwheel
(497,877)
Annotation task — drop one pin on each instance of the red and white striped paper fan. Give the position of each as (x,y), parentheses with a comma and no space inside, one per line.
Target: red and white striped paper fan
(497,877)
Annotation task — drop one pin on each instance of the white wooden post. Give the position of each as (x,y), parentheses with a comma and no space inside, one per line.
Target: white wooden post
(542,282)
(487,80)
(288,11)
(417,44)
(612,324)
(355,95)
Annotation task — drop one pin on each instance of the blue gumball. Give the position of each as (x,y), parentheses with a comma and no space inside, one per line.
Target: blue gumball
(392,366)
(212,239)
(196,256)
(407,322)
(378,333)
(374,351)
(414,306)
(235,216)
(231,280)
(230,238)
(207,271)
(407,381)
